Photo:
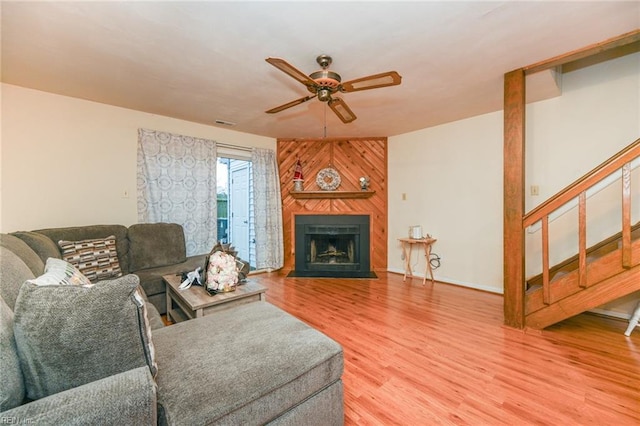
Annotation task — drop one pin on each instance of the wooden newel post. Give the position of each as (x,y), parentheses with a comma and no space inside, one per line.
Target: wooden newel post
(514,183)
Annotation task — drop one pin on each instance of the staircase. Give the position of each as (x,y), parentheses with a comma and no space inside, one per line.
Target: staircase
(596,275)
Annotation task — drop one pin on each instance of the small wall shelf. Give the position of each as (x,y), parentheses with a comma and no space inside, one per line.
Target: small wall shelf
(331,194)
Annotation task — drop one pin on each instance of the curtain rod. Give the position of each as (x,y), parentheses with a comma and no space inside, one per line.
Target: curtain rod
(237,147)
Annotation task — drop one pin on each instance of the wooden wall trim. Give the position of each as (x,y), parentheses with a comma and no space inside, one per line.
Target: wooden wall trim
(352,158)
(589,51)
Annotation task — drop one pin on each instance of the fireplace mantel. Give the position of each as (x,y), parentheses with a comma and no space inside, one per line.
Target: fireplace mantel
(331,194)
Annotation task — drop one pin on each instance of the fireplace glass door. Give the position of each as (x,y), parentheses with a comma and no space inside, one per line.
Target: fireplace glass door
(332,247)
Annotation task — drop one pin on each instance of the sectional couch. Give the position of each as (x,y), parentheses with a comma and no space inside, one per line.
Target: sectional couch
(149,250)
(100,353)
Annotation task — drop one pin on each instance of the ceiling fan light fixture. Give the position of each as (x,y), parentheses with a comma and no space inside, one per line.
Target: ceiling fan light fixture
(326,78)
(324,95)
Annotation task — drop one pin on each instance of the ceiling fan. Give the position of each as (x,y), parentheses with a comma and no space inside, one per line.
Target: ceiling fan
(325,83)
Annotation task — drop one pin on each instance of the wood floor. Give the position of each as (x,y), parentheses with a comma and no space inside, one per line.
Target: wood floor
(439,355)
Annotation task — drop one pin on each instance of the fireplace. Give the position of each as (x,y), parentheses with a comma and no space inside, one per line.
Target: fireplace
(332,246)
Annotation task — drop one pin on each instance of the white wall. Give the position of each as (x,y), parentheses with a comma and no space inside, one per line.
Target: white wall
(452,177)
(453,172)
(67,161)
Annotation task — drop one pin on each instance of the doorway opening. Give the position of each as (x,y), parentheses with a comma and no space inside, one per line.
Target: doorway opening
(235,206)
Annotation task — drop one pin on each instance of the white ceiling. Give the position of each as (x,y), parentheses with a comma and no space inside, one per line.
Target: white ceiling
(205,61)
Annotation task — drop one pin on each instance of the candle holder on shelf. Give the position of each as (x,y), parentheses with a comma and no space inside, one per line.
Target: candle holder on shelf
(364,183)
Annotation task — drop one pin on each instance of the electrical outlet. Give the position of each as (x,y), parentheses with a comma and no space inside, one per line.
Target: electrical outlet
(404,196)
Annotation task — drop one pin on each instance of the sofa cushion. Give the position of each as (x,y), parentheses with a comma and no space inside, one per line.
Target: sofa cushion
(12,389)
(13,273)
(127,398)
(277,363)
(60,272)
(42,245)
(90,232)
(155,244)
(28,255)
(68,336)
(97,259)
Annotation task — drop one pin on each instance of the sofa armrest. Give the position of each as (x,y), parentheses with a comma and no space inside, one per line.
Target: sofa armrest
(124,398)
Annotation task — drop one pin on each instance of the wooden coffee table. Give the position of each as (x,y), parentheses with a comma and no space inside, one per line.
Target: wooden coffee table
(197,302)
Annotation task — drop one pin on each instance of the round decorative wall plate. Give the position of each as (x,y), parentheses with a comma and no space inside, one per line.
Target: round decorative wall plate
(328,179)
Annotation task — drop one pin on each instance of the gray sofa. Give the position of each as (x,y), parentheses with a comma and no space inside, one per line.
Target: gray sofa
(251,364)
(149,250)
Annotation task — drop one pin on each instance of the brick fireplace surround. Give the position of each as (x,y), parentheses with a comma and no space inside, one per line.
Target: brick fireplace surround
(351,158)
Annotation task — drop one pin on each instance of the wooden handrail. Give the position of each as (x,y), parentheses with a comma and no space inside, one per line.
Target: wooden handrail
(621,161)
(572,191)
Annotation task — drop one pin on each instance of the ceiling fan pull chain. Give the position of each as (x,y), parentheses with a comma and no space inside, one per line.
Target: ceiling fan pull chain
(325,121)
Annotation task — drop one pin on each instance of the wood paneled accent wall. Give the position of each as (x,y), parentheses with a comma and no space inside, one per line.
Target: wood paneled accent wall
(352,158)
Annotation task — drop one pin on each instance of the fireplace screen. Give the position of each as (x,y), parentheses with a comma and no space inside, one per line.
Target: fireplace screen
(332,245)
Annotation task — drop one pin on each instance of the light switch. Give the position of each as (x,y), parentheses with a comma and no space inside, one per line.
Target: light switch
(535,190)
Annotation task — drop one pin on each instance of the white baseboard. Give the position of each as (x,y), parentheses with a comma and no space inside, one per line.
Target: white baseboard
(452,281)
(612,314)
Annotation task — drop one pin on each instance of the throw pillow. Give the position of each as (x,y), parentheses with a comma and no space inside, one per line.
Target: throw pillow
(68,336)
(97,259)
(12,389)
(60,272)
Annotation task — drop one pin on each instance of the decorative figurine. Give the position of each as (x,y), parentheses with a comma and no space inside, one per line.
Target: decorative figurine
(364,183)
(298,179)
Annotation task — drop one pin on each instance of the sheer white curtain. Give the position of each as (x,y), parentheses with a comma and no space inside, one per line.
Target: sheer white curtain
(268,210)
(177,184)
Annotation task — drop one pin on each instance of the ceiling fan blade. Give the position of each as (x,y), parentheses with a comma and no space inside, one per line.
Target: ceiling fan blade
(341,109)
(290,104)
(384,79)
(289,69)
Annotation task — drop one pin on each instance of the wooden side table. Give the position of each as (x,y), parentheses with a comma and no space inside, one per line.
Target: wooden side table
(407,246)
(196,302)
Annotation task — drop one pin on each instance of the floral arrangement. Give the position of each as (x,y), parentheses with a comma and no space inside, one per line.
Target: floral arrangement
(222,272)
